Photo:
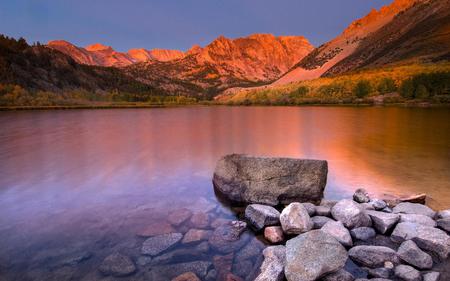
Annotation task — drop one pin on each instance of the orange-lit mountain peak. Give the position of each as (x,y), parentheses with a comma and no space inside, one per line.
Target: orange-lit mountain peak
(97,47)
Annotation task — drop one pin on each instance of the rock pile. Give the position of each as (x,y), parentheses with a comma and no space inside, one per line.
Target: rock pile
(402,243)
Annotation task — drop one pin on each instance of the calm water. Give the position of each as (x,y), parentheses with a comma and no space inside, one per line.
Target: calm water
(78,185)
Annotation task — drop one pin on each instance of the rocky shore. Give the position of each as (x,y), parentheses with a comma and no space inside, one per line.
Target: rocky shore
(393,240)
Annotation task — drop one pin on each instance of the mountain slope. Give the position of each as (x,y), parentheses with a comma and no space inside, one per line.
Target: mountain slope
(101,55)
(225,63)
(421,33)
(42,68)
(328,55)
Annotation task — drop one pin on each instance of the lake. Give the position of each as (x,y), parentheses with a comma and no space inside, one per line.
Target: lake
(78,185)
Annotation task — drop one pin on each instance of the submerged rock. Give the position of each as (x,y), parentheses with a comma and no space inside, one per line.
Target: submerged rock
(157,244)
(117,265)
(165,272)
(260,216)
(295,219)
(373,256)
(196,235)
(312,255)
(179,216)
(227,238)
(273,265)
(188,276)
(350,213)
(271,181)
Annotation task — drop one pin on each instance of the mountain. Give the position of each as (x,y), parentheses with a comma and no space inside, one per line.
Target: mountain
(101,55)
(224,63)
(381,37)
(41,68)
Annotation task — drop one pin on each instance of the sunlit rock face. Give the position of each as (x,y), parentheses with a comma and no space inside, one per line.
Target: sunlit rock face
(327,56)
(101,55)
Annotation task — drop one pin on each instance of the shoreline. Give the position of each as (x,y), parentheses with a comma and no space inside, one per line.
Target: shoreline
(137,106)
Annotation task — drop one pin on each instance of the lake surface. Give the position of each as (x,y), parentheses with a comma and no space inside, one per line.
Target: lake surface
(78,185)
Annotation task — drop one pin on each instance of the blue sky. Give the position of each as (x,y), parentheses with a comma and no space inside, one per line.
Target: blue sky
(175,24)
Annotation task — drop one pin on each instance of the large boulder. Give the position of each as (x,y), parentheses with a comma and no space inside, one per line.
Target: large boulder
(383,222)
(430,239)
(295,219)
(270,181)
(313,255)
(420,219)
(338,231)
(273,265)
(350,213)
(260,216)
(411,254)
(414,208)
(373,256)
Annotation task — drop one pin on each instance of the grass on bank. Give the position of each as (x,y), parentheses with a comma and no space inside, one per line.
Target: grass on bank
(398,84)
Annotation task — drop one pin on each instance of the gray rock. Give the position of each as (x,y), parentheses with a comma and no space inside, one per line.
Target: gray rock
(167,272)
(361,196)
(273,264)
(414,208)
(243,269)
(363,233)
(323,211)
(378,240)
(157,244)
(420,219)
(117,265)
(328,203)
(407,273)
(373,279)
(431,276)
(443,214)
(211,276)
(381,272)
(411,254)
(144,260)
(383,221)
(444,224)
(274,234)
(434,241)
(350,213)
(196,236)
(340,275)
(260,216)
(295,219)
(373,256)
(367,206)
(378,204)
(319,221)
(310,208)
(270,181)
(312,255)
(250,250)
(387,210)
(338,231)
(229,237)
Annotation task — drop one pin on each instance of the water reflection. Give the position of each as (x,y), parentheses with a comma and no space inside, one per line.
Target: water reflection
(87,179)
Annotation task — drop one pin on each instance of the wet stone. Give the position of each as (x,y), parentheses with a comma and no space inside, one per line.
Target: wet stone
(378,204)
(323,211)
(199,220)
(411,254)
(414,208)
(274,234)
(156,228)
(273,266)
(381,272)
(444,224)
(310,208)
(363,233)
(361,196)
(196,235)
(295,219)
(229,237)
(157,244)
(340,275)
(319,221)
(383,222)
(420,219)
(117,265)
(373,256)
(164,272)
(260,216)
(338,231)
(179,216)
(407,273)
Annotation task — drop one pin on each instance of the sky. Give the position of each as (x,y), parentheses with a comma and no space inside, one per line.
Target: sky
(176,24)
